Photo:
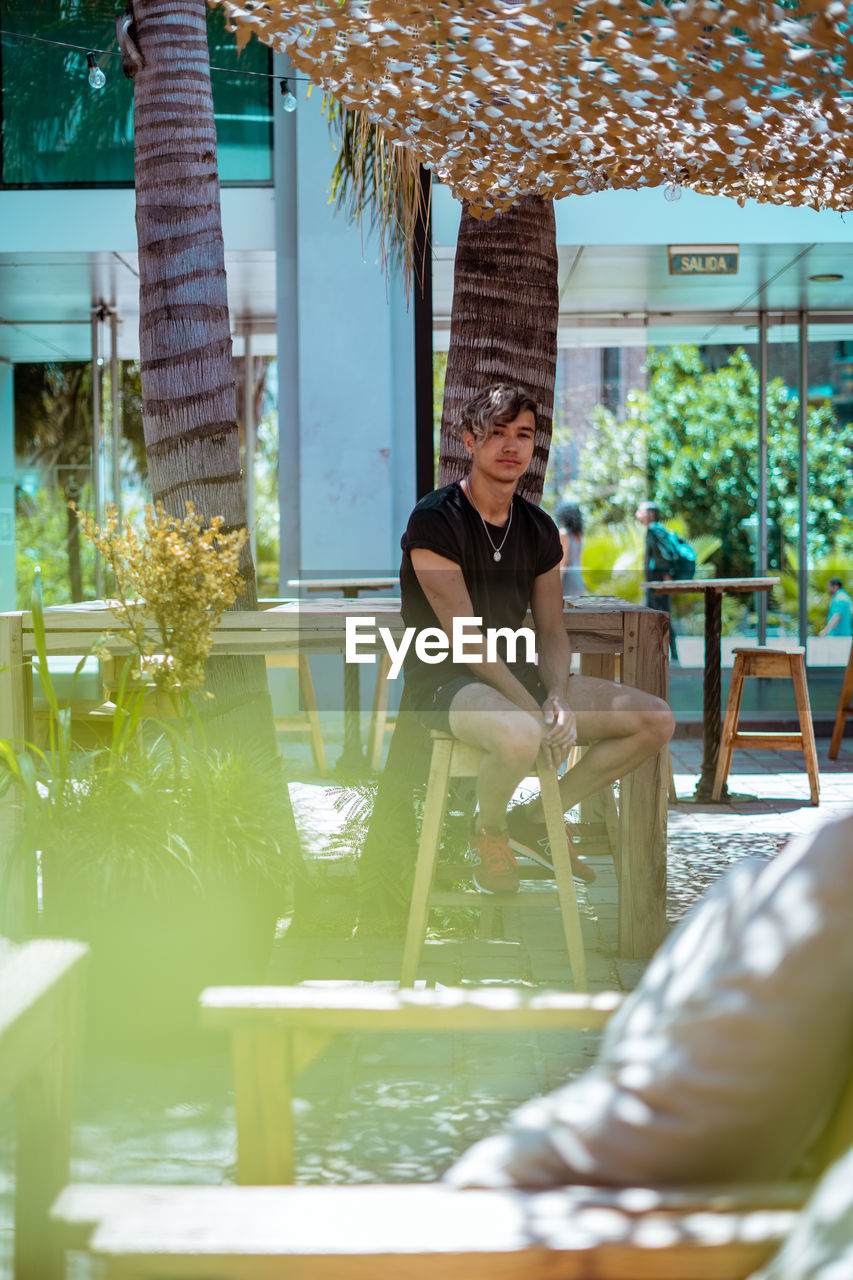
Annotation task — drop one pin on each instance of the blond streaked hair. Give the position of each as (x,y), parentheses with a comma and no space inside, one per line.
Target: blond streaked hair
(499,403)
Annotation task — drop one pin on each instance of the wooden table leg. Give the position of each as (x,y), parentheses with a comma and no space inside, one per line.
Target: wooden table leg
(351,759)
(843,708)
(13,668)
(643,808)
(18,906)
(263,1081)
(599,809)
(711,699)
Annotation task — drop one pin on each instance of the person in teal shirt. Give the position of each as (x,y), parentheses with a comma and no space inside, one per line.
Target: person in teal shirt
(840,620)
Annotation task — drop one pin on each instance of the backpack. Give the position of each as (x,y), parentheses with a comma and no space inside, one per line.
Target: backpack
(684,565)
(677,555)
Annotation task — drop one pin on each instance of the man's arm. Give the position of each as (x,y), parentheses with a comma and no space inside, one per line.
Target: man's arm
(445,589)
(552,643)
(832,623)
(555,657)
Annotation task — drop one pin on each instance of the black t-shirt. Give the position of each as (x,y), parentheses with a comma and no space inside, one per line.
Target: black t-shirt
(447,523)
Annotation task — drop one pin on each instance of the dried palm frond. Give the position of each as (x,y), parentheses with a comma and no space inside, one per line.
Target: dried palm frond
(381,179)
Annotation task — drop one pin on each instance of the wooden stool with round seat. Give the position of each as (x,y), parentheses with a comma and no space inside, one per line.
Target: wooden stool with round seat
(788,664)
(454,759)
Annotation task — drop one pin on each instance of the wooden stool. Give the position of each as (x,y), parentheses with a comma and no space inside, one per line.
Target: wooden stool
(844,708)
(310,721)
(773,664)
(454,759)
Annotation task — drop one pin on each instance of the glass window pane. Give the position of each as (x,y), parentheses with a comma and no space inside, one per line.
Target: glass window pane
(57,130)
(262,499)
(675,423)
(242,105)
(830,499)
(53,466)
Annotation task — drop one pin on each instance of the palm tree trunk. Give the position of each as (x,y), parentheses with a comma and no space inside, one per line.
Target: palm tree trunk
(503,328)
(503,325)
(189,406)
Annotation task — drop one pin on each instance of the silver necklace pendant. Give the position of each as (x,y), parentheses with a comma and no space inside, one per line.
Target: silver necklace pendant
(496,551)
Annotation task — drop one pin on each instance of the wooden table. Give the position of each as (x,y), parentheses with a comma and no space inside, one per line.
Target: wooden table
(277,1031)
(349,587)
(351,760)
(598,628)
(713,590)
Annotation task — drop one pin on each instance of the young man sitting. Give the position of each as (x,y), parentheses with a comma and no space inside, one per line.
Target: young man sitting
(476,549)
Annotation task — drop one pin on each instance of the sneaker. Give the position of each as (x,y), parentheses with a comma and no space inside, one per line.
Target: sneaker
(495,869)
(529,839)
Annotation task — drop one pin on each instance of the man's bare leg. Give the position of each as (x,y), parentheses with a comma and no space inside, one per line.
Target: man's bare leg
(621,726)
(509,738)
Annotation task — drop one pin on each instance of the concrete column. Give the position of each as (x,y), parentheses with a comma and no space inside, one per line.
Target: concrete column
(355,376)
(287,332)
(803,482)
(761,513)
(7,488)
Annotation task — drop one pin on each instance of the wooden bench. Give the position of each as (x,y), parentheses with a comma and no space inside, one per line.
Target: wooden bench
(421,1232)
(277,1031)
(257,1232)
(41,994)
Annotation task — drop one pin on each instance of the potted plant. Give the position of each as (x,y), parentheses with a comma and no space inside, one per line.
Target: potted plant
(166,859)
(161,850)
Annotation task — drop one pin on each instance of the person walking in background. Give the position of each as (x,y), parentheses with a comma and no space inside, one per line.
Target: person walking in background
(570,523)
(657,563)
(840,620)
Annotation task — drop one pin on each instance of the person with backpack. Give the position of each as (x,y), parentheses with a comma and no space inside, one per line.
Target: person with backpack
(569,521)
(666,557)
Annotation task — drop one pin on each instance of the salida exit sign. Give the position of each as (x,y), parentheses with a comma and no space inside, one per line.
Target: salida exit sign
(703,259)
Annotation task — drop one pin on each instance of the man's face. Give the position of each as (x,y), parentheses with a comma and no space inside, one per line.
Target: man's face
(507,453)
(833,587)
(643,515)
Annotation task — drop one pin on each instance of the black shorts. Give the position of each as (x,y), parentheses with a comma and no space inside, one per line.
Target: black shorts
(434,712)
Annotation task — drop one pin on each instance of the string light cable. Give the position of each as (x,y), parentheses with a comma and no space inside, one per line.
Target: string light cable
(97,79)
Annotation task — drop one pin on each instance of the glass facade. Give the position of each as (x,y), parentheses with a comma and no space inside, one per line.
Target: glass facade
(678,422)
(58,131)
(54,465)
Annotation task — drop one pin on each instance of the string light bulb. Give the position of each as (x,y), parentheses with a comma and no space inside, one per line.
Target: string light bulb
(672,192)
(97,79)
(288,100)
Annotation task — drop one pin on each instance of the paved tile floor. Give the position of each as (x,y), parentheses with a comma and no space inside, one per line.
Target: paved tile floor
(399,1108)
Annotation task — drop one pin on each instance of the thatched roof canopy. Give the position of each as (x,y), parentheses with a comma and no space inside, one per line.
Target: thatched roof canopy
(500,100)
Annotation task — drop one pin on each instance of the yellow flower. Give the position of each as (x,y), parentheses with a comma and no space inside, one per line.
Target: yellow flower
(173,583)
